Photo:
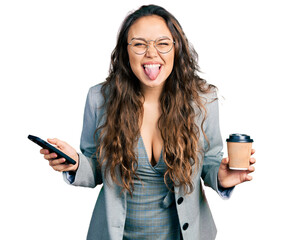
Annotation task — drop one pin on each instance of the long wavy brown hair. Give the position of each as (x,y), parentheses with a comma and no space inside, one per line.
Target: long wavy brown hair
(179,100)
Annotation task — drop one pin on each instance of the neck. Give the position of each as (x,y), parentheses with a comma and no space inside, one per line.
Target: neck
(151,94)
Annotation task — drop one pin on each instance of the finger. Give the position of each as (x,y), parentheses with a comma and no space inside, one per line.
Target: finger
(244,176)
(50,156)
(44,151)
(57,162)
(58,168)
(249,178)
(251,169)
(63,167)
(252,160)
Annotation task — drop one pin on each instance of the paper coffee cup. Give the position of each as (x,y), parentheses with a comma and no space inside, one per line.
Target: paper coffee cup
(239,151)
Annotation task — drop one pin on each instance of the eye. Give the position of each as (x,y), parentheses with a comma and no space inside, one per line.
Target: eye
(139,44)
(163,43)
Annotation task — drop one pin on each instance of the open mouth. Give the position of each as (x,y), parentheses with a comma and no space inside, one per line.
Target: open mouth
(152,70)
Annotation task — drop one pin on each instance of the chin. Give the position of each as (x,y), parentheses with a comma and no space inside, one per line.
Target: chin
(153,83)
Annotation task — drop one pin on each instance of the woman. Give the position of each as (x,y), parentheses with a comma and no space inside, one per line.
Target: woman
(150,133)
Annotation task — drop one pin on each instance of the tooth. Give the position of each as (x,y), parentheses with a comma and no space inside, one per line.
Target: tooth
(151,65)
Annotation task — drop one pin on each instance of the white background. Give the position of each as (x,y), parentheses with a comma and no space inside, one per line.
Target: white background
(51,52)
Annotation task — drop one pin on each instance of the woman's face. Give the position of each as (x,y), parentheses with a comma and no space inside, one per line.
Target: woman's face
(152,68)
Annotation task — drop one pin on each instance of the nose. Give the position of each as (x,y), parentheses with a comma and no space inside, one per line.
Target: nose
(151,50)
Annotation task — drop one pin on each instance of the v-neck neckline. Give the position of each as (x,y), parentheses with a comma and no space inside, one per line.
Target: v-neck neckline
(160,156)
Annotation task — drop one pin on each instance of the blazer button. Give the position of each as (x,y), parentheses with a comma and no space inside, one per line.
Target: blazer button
(180,200)
(185,226)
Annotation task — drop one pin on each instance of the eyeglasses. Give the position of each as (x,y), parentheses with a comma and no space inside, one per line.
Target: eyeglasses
(162,45)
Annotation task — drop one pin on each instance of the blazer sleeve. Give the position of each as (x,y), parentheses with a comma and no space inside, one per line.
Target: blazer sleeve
(213,150)
(88,174)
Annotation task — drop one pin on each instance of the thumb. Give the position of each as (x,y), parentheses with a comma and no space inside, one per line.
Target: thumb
(225,161)
(57,142)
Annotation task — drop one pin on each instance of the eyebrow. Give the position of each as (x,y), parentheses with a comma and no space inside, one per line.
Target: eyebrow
(139,38)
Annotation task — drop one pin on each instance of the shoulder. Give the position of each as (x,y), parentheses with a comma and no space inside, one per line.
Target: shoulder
(207,106)
(95,96)
(209,95)
(95,90)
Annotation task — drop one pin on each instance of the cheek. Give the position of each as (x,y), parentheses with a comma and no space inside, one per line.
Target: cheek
(170,61)
(134,63)
(172,56)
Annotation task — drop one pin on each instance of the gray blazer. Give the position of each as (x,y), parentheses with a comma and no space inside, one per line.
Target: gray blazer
(108,218)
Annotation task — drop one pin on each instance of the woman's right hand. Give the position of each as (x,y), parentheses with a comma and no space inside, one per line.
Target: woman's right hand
(60,163)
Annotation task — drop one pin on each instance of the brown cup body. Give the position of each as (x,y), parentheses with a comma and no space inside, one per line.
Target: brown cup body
(239,154)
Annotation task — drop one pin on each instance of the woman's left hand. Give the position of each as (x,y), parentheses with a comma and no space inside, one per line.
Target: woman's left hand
(230,178)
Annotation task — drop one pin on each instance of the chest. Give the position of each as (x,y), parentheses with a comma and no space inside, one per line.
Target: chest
(150,133)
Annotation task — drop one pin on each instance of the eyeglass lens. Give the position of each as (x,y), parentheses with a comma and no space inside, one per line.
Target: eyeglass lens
(163,45)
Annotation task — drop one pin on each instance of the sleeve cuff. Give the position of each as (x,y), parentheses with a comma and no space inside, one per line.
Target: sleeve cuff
(69,176)
(225,193)
(84,176)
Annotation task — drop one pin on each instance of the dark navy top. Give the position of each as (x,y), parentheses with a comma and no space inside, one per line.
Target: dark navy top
(151,213)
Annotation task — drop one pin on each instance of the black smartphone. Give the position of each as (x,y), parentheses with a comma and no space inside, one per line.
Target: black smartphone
(51,148)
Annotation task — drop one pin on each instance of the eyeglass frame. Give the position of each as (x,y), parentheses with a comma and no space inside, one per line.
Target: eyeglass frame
(154,44)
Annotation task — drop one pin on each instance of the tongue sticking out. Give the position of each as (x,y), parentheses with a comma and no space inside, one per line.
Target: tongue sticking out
(152,72)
